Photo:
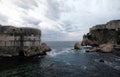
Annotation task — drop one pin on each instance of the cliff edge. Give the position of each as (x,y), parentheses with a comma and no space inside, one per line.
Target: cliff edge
(104,33)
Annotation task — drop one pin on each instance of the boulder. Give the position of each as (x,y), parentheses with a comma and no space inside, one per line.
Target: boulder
(77,46)
(101,60)
(88,51)
(106,47)
(45,48)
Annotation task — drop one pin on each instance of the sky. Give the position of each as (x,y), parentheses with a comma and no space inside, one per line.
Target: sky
(59,20)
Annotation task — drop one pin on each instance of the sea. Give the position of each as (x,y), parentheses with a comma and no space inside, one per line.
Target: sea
(63,61)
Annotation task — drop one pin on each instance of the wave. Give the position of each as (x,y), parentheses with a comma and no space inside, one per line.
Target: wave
(54,53)
(115,64)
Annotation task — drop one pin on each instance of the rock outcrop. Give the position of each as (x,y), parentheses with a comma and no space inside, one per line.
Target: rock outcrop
(77,46)
(102,34)
(86,41)
(45,48)
(105,48)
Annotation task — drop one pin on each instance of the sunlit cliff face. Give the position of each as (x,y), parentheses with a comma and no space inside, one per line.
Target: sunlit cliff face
(59,20)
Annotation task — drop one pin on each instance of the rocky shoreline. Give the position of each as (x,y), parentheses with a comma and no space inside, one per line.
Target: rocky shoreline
(103,38)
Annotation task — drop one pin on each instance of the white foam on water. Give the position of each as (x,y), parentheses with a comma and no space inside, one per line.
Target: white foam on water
(67,63)
(54,53)
(113,64)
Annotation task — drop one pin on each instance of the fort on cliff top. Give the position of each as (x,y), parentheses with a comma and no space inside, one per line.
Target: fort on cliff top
(114,24)
(104,33)
(19,41)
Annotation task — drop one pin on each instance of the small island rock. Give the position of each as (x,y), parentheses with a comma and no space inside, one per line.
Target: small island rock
(77,46)
(45,48)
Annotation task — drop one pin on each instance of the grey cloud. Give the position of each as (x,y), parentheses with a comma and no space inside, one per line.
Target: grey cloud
(26,4)
(53,10)
(50,35)
(3,19)
(70,26)
(31,20)
(67,16)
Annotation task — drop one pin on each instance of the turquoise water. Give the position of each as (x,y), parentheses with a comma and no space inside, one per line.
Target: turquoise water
(63,61)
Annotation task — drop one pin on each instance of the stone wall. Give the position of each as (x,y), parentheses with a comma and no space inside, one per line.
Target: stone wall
(14,41)
(114,24)
(102,26)
(11,36)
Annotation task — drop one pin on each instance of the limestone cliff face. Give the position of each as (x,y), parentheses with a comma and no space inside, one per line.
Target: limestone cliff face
(105,33)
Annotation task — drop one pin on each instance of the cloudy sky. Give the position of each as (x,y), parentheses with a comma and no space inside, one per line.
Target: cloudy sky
(59,20)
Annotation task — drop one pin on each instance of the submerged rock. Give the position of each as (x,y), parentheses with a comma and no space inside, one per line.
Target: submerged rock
(77,46)
(88,51)
(101,60)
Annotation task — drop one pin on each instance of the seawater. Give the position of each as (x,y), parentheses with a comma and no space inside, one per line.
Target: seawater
(63,61)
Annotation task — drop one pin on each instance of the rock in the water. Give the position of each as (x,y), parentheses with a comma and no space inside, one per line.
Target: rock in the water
(45,48)
(88,51)
(77,46)
(101,60)
(106,47)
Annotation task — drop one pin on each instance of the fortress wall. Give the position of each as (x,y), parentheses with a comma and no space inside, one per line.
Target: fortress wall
(102,26)
(15,40)
(11,36)
(115,24)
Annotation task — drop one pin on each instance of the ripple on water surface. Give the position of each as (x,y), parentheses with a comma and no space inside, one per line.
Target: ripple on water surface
(65,62)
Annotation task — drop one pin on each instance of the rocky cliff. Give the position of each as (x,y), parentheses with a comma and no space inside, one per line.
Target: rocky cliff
(105,33)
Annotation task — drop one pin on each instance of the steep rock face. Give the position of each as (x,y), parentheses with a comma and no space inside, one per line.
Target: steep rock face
(101,34)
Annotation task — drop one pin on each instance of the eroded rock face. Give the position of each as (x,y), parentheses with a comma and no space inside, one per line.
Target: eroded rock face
(77,46)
